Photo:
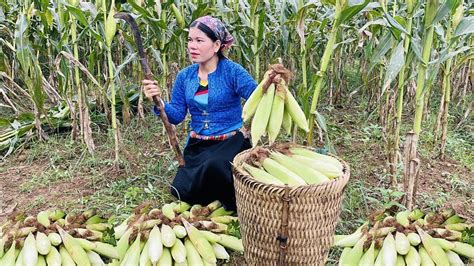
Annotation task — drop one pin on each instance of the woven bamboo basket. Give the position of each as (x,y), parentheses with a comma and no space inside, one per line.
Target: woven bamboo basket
(282,225)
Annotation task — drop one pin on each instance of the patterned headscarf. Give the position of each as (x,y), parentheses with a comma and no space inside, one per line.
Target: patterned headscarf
(219,30)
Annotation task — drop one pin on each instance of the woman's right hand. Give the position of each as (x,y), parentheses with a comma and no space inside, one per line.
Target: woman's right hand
(150,88)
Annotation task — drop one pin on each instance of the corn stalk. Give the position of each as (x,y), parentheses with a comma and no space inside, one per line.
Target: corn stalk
(31,70)
(453,23)
(412,163)
(84,117)
(110,29)
(400,92)
(342,14)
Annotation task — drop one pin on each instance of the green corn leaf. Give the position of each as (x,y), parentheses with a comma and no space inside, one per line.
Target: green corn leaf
(395,65)
(466,26)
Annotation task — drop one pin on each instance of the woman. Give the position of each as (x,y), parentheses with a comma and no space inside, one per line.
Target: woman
(211,90)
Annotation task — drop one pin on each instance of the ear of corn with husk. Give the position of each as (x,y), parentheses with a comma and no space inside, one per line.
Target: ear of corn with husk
(272,106)
(282,164)
(408,242)
(142,240)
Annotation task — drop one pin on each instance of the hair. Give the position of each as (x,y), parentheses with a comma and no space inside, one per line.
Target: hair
(209,33)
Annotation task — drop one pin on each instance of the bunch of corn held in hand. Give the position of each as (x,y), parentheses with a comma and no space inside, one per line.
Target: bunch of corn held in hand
(54,238)
(290,164)
(409,238)
(176,233)
(272,106)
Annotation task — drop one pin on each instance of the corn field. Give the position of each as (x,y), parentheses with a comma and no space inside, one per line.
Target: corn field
(62,60)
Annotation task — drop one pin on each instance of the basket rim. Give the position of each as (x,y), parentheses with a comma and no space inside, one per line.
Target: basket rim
(243,176)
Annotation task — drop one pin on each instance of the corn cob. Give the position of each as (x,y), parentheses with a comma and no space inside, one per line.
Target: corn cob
(434,250)
(179,17)
(308,174)
(444,244)
(181,207)
(325,168)
(73,248)
(231,242)
(400,261)
(402,243)
(144,257)
(132,257)
(344,253)
(464,249)
(85,244)
(20,259)
(261,175)
(455,219)
(349,241)
(221,211)
(42,243)
(316,156)
(98,227)
(402,218)
(226,219)
(155,246)
(165,259)
(220,252)
(282,173)
(211,237)
(425,257)
(106,250)
(110,26)
(252,102)
(276,115)
(95,258)
(201,244)
(415,215)
(213,206)
(43,218)
(120,230)
(56,215)
(262,115)
(354,256)
(123,243)
(454,258)
(412,257)
(53,258)
(168,237)
(379,259)
(66,258)
(30,252)
(297,115)
(168,210)
(458,227)
(178,252)
(192,255)
(369,256)
(414,239)
(179,231)
(9,257)
(95,219)
(41,261)
(389,251)
(287,122)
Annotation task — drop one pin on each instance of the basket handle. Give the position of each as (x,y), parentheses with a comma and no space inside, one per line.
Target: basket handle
(283,236)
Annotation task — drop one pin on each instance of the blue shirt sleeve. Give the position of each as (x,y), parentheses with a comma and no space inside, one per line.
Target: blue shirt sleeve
(244,82)
(177,108)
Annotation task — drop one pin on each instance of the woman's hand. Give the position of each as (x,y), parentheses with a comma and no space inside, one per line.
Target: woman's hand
(150,88)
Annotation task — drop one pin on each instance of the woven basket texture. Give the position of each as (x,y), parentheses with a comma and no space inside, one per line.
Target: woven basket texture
(313,212)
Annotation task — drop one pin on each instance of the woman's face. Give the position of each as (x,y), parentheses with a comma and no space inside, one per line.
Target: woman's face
(201,48)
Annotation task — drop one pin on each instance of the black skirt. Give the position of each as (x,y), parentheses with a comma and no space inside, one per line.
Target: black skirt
(207,174)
